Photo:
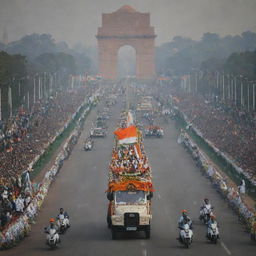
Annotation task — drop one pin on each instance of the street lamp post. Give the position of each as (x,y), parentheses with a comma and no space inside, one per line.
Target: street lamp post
(242,95)
(223,87)
(34,90)
(253,99)
(235,91)
(248,97)
(196,82)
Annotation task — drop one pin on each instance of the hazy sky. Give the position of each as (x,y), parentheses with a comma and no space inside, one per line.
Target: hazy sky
(77,20)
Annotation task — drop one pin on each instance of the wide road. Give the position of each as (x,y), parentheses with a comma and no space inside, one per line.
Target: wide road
(80,189)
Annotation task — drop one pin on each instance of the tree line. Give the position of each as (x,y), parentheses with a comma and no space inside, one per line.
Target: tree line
(34,65)
(233,54)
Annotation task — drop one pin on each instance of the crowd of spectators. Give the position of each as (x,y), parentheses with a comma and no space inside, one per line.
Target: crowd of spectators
(231,130)
(24,137)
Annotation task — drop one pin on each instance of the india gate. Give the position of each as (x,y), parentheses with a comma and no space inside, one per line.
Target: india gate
(123,27)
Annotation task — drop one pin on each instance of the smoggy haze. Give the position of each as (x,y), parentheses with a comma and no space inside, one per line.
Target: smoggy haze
(77,20)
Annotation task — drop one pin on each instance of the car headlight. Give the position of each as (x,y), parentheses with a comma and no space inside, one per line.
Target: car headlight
(144,220)
(117,218)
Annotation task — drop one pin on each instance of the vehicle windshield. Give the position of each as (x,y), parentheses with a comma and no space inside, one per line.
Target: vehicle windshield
(130,197)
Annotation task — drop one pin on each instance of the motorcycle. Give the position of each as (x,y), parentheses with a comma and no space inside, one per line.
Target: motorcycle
(52,238)
(205,213)
(63,223)
(88,145)
(213,233)
(186,235)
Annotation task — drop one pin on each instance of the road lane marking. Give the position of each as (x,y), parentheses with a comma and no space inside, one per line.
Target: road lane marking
(159,196)
(225,248)
(144,252)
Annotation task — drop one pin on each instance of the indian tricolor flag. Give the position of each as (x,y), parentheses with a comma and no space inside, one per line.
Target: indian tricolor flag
(127,135)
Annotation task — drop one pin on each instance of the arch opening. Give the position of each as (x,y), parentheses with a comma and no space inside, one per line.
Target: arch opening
(126,65)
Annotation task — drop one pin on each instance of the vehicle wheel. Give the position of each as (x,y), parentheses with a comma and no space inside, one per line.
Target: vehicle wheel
(147,233)
(113,233)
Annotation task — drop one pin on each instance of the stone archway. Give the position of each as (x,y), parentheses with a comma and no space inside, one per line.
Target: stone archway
(126,61)
(126,27)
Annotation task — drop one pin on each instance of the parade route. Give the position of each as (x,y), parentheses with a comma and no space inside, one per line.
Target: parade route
(80,189)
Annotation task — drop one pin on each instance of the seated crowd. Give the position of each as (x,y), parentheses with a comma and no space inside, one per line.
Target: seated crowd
(22,139)
(231,130)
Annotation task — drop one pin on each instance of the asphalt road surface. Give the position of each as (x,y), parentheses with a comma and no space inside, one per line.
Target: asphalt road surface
(80,189)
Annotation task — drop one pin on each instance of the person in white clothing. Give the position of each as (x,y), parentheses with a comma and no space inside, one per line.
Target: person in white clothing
(241,187)
(19,203)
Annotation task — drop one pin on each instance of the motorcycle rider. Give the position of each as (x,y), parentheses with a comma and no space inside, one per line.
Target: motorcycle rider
(52,226)
(185,219)
(211,221)
(206,205)
(66,216)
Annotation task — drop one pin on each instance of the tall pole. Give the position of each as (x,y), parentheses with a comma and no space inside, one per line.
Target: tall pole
(10,100)
(45,87)
(189,84)
(39,88)
(228,87)
(34,91)
(242,103)
(253,94)
(28,99)
(0,104)
(223,87)
(51,84)
(235,91)
(196,82)
(217,79)
(248,97)
(231,89)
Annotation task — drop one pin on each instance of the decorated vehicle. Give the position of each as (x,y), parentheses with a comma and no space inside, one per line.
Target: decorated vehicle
(155,131)
(130,186)
(98,132)
(100,123)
